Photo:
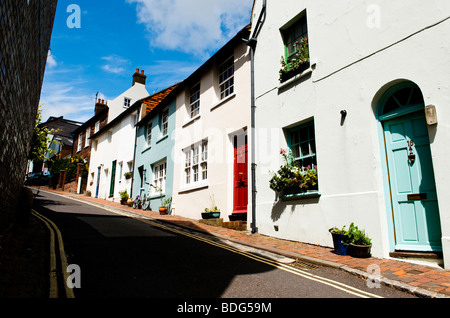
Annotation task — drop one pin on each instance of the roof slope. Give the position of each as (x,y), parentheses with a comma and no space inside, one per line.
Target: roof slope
(154,100)
(150,103)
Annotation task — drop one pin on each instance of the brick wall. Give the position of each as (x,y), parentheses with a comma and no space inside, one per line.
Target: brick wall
(26,28)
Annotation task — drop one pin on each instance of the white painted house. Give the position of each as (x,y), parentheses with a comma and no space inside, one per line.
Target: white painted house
(371,110)
(112,152)
(210,150)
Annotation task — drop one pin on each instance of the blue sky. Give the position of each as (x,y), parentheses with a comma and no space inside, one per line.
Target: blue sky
(168,39)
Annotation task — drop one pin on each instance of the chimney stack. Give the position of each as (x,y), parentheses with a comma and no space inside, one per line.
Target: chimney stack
(139,77)
(100,105)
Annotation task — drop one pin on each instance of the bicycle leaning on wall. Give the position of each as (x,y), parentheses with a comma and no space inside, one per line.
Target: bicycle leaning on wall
(144,201)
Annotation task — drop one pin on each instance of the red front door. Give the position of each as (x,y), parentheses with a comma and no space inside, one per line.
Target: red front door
(240,193)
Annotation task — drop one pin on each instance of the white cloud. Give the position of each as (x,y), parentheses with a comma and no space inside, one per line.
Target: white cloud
(115,65)
(51,60)
(66,99)
(192,26)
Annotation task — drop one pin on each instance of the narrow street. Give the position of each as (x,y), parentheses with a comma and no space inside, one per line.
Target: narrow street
(123,257)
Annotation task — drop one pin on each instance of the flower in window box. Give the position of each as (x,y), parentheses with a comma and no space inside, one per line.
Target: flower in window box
(292,178)
(297,62)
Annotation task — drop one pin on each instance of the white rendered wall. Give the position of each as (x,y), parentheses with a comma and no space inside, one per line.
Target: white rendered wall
(218,122)
(358,49)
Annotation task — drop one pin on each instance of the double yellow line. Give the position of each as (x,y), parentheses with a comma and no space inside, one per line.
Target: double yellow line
(296,271)
(56,247)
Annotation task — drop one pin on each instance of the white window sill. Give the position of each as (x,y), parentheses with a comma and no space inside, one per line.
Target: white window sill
(222,101)
(190,120)
(194,187)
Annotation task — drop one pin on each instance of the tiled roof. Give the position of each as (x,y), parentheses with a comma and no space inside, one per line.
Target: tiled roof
(152,101)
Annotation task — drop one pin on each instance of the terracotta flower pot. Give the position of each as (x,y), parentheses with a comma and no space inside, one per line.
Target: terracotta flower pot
(162,210)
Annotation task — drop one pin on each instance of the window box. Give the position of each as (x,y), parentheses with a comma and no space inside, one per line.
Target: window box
(309,194)
(286,75)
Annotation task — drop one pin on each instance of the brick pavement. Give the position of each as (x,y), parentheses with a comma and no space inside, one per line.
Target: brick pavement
(418,279)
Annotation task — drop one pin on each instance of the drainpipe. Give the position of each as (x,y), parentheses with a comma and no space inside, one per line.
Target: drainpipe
(134,154)
(252,44)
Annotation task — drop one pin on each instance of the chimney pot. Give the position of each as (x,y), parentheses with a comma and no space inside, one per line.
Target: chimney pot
(139,77)
(100,106)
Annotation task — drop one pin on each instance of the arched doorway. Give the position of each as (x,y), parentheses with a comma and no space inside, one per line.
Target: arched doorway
(409,170)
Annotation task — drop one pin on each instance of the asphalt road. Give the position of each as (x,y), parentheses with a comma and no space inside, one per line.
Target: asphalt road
(118,256)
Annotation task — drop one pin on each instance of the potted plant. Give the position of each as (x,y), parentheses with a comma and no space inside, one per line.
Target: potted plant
(128,175)
(340,240)
(359,243)
(123,197)
(164,202)
(211,213)
(165,205)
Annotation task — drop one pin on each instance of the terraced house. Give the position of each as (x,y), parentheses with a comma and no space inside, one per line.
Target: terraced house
(361,96)
(112,147)
(211,140)
(153,163)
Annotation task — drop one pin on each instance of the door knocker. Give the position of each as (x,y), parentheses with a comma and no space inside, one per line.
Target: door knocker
(411,156)
(240,183)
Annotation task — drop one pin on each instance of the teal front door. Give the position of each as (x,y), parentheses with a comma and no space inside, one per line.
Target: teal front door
(411,178)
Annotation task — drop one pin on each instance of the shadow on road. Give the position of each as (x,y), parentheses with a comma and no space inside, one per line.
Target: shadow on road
(122,257)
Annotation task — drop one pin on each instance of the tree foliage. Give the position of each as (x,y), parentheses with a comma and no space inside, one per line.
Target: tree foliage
(70,165)
(40,143)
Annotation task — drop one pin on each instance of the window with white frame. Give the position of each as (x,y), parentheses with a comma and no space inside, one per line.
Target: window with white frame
(159,177)
(80,140)
(97,127)
(88,134)
(194,101)
(204,160)
(196,164)
(226,78)
(149,133)
(126,102)
(165,122)
(120,170)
